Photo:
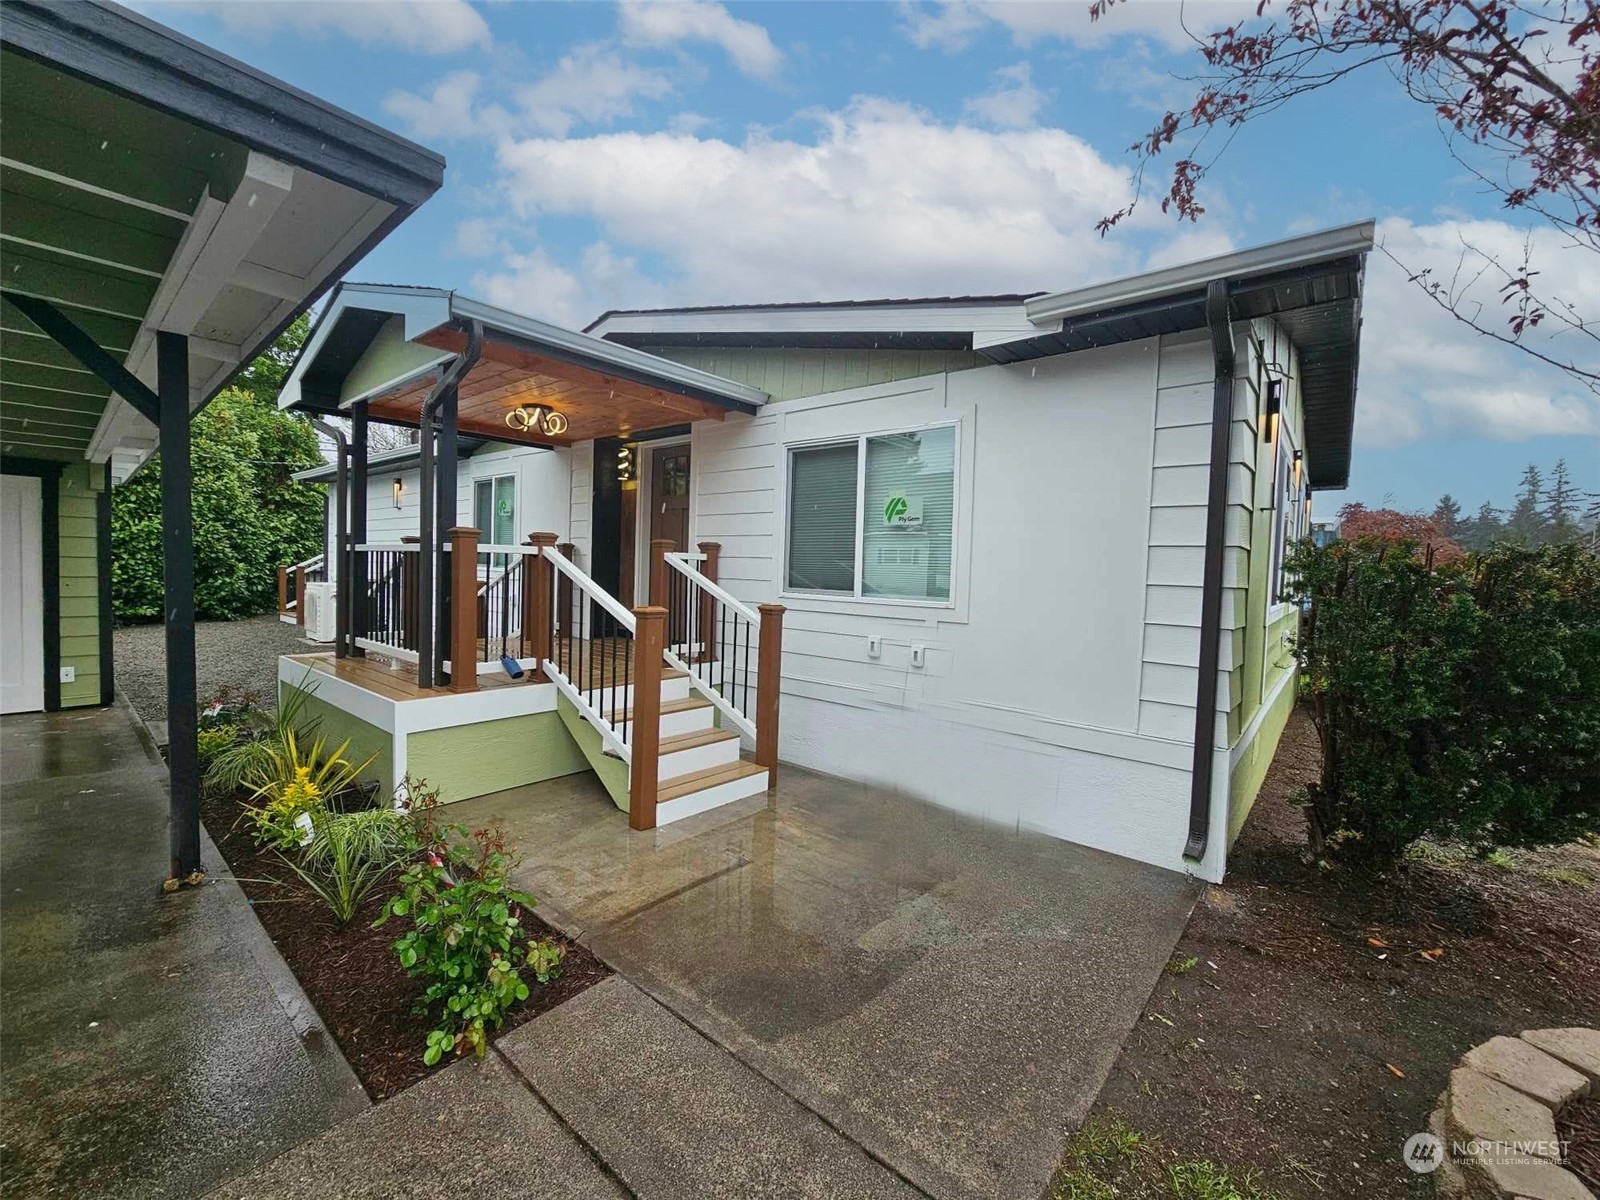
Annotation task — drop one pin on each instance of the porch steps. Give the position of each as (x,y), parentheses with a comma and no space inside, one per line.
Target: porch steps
(684,795)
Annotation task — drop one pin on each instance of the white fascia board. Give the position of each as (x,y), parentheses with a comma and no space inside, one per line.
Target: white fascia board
(976,319)
(606,352)
(1240,264)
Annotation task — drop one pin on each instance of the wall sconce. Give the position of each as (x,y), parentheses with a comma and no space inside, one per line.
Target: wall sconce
(1269,427)
(1299,457)
(399,488)
(627,467)
(536,418)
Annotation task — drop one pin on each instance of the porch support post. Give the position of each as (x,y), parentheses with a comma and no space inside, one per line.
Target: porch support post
(537,598)
(659,549)
(649,639)
(708,604)
(177,561)
(445,506)
(300,597)
(463,593)
(358,526)
(340,559)
(769,673)
(283,590)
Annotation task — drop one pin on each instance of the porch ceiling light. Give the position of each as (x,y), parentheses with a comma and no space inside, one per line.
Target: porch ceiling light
(537,419)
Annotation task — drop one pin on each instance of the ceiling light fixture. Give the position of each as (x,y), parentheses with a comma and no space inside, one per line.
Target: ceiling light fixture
(536,418)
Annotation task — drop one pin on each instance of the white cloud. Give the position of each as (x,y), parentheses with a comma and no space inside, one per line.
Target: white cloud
(1013,103)
(1425,374)
(663,23)
(535,284)
(421,26)
(589,85)
(953,24)
(885,201)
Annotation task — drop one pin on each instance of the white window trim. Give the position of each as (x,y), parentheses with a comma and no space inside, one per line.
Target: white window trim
(856,598)
(1285,507)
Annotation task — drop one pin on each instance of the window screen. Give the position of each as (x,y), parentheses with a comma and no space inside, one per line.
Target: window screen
(822,518)
(909,514)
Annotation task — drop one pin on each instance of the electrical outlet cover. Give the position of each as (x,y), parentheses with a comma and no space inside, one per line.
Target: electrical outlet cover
(69,674)
(874,645)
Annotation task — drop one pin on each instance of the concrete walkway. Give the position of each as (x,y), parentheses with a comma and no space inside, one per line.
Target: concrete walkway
(149,1045)
(946,995)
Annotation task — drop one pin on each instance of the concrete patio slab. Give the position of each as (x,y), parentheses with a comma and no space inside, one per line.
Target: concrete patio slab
(471,1130)
(949,995)
(150,1045)
(675,1116)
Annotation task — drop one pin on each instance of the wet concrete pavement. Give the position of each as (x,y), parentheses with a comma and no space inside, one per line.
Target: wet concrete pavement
(149,1045)
(948,995)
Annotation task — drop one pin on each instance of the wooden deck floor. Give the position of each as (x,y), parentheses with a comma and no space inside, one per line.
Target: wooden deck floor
(391,679)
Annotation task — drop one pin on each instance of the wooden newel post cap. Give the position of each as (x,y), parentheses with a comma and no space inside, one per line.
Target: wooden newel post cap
(542,539)
(772,610)
(460,532)
(708,547)
(650,612)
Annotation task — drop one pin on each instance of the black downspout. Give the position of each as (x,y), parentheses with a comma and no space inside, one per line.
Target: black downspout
(358,526)
(177,557)
(1205,701)
(428,535)
(339,564)
(445,512)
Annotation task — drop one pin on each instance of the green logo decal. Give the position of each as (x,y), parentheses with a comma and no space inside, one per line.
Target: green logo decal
(895,508)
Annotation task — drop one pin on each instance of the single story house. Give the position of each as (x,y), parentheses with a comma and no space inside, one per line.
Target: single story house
(1028,548)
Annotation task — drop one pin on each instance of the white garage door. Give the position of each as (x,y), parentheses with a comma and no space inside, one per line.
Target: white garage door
(21,596)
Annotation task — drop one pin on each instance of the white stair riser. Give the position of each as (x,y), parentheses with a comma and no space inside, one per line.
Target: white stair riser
(698,758)
(622,697)
(690,720)
(709,798)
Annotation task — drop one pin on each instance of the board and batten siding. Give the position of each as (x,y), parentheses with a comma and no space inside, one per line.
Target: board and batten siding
(789,374)
(81,484)
(1027,709)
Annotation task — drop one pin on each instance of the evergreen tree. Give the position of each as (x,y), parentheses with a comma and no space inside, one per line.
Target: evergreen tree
(1561,506)
(1447,515)
(1483,530)
(1526,523)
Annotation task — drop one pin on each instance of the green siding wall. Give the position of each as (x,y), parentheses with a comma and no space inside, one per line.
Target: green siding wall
(1244,784)
(613,774)
(790,374)
(389,356)
(474,760)
(81,483)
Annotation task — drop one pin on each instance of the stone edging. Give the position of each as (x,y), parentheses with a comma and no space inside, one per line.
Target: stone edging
(1497,1117)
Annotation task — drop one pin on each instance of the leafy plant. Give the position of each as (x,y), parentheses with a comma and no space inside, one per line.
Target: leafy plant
(466,937)
(215,740)
(258,738)
(1203,1180)
(297,780)
(1453,700)
(349,855)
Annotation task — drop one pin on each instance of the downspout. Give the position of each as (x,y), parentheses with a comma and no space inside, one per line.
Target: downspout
(428,546)
(339,564)
(1205,700)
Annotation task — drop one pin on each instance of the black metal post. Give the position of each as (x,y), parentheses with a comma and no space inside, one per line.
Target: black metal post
(427,549)
(358,526)
(177,558)
(445,513)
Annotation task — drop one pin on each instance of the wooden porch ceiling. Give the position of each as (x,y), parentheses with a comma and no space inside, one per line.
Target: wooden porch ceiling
(595,403)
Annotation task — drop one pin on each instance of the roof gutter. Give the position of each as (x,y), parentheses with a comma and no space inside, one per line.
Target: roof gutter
(1205,701)
(1239,265)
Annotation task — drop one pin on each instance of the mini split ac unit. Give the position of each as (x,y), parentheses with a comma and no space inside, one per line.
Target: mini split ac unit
(321,612)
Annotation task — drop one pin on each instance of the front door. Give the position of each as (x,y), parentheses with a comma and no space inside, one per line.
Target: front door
(21,595)
(669,495)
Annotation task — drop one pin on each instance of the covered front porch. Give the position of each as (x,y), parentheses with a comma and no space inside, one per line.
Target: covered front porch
(662,683)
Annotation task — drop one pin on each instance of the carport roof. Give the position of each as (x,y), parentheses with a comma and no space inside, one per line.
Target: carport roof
(150,183)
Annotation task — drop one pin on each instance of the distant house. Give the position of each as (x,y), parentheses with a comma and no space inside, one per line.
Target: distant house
(1029,548)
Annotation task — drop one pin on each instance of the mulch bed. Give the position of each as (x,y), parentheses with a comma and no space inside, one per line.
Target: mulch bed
(1578,1125)
(1312,1035)
(351,973)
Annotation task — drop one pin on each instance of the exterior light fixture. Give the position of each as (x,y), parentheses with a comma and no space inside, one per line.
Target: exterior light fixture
(1269,427)
(1299,458)
(399,488)
(626,468)
(536,418)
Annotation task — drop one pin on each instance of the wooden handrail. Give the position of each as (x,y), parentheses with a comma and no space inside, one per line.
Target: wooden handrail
(769,675)
(300,596)
(463,609)
(649,639)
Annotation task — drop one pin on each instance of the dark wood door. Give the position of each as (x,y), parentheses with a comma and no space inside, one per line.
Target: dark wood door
(669,495)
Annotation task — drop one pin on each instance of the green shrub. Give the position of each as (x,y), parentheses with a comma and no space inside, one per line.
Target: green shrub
(297,781)
(1458,701)
(350,854)
(466,937)
(259,735)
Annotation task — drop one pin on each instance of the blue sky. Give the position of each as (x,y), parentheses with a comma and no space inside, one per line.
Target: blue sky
(693,152)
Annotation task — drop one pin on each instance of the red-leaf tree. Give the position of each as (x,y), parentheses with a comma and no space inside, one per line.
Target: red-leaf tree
(1515,85)
(1357,521)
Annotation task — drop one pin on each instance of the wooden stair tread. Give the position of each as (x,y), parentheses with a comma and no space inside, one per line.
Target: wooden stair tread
(703,737)
(675,706)
(673,673)
(699,781)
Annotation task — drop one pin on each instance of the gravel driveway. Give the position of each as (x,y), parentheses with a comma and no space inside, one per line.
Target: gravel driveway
(242,655)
